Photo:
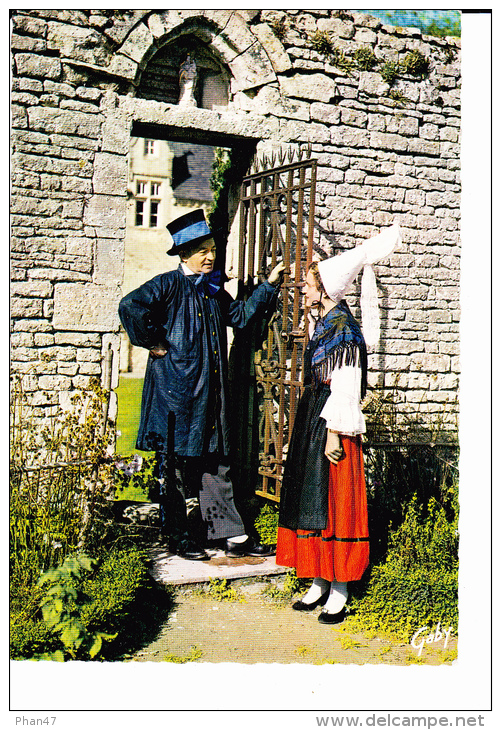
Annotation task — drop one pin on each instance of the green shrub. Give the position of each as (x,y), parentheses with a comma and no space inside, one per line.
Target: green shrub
(415,63)
(365,58)
(76,607)
(220,590)
(114,588)
(61,480)
(322,42)
(417,584)
(398,97)
(339,59)
(279,28)
(266,525)
(291,587)
(389,72)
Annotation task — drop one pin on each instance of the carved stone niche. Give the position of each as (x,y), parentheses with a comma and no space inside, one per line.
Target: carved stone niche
(206,86)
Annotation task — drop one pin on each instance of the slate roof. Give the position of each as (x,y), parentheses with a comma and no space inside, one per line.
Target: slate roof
(191,171)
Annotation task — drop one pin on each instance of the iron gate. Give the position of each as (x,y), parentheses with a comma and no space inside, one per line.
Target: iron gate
(277,208)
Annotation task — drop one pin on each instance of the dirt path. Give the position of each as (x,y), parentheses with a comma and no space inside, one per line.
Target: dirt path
(254,629)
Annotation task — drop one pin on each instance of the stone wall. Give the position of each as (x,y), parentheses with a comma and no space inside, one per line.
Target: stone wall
(385,151)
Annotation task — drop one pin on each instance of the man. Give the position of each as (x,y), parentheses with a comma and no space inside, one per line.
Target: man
(181,318)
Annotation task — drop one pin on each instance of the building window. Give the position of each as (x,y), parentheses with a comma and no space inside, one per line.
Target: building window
(149,146)
(154,205)
(139,212)
(147,203)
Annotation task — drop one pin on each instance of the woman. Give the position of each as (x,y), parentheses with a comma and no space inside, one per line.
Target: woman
(323,524)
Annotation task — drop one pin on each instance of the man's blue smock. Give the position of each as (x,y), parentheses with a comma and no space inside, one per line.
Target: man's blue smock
(190,381)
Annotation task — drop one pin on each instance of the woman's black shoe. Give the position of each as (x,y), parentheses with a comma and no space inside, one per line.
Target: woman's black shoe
(331,618)
(301,606)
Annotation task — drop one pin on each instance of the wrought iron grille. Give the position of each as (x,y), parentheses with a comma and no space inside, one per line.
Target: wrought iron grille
(277,208)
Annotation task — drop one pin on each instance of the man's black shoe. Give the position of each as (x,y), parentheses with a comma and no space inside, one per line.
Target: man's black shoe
(250,548)
(188,549)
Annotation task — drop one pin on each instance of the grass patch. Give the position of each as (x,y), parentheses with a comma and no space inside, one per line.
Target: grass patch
(129,393)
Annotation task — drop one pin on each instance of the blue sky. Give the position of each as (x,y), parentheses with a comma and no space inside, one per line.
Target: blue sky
(407,18)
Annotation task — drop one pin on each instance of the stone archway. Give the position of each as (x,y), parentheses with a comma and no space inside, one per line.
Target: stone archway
(226,33)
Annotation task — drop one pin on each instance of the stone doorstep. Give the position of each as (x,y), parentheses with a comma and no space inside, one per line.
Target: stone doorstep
(169,569)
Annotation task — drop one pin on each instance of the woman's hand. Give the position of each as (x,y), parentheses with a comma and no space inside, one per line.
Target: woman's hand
(333,448)
(276,273)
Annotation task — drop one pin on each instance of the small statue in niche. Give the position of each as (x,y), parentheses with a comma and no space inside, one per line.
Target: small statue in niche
(187,81)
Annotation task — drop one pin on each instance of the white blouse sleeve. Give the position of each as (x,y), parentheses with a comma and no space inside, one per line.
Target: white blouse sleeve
(342,409)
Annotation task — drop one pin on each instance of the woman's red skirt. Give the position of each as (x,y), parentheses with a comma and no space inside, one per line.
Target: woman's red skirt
(341,551)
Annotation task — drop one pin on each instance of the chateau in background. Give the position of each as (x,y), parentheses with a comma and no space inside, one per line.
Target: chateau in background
(166,180)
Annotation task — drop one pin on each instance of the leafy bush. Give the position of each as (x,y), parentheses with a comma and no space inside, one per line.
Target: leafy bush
(365,58)
(389,72)
(417,584)
(266,525)
(415,63)
(220,590)
(322,42)
(291,587)
(76,607)
(61,480)
(114,588)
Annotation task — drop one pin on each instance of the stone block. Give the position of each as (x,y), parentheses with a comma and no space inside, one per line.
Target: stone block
(44,339)
(110,174)
(449,134)
(79,339)
(123,66)
(379,140)
(88,354)
(317,87)
(430,362)
(365,36)
(428,131)
(86,307)
(280,60)
(138,43)
(64,121)
(106,211)
(353,118)
(77,43)
(337,27)
(39,289)
(161,23)
(423,147)
(32,64)
(350,137)
(116,132)
(372,84)
(19,116)
(54,382)
(325,113)
(67,368)
(26,308)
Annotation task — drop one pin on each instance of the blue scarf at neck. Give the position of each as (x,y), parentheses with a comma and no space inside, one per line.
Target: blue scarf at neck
(209,283)
(336,341)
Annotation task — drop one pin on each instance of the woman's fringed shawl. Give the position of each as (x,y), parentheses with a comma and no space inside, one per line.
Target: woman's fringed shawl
(336,341)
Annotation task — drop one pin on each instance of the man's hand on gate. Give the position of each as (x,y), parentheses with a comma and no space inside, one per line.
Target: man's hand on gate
(158,351)
(276,273)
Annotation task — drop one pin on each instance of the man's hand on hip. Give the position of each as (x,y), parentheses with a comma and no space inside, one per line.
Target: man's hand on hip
(158,351)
